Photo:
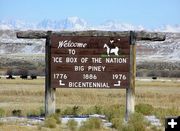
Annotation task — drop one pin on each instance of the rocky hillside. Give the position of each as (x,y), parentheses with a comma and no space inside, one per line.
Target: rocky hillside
(9,44)
(160,51)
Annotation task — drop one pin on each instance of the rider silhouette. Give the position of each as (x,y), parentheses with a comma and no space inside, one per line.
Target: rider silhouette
(111,44)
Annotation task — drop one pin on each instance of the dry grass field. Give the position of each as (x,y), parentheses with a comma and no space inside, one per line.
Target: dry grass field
(28,96)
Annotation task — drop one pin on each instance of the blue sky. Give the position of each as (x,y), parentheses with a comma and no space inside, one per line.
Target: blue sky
(149,13)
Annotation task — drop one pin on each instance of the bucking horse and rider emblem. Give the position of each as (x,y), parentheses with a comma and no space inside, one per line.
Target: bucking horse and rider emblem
(111,49)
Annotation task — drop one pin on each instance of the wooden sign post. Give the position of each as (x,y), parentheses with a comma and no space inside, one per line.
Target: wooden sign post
(90,59)
(130,92)
(49,92)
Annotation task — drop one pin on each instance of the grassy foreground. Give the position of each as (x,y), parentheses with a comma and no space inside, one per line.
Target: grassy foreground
(28,96)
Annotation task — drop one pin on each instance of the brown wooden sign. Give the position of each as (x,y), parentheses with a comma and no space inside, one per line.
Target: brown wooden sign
(89,61)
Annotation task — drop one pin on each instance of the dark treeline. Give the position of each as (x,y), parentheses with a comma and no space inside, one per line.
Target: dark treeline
(26,72)
(159,69)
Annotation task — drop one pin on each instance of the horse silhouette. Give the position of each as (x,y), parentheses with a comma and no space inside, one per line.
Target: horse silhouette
(113,50)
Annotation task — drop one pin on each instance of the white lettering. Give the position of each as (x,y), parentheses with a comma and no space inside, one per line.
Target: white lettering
(84,60)
(72,51)
(71,60)
(89,84)
(96,68)
(57,59)
(116,60)
(78,68)
(89,76)
(96,60)
(60,76)
(118,76)
(71,44)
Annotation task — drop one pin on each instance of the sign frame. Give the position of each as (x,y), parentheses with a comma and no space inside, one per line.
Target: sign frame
(94,48)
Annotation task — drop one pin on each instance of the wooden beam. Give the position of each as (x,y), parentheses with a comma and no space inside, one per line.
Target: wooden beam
(32,34)
(152,36)
(140,35)
(93,33)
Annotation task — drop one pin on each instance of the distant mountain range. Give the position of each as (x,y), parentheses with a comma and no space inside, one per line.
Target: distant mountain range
(76,23)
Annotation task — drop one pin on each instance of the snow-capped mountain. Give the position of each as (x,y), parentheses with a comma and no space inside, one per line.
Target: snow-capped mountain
(70,23)
(49,24)
(76,23)
(16,24)
(168,28)
(117,26)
